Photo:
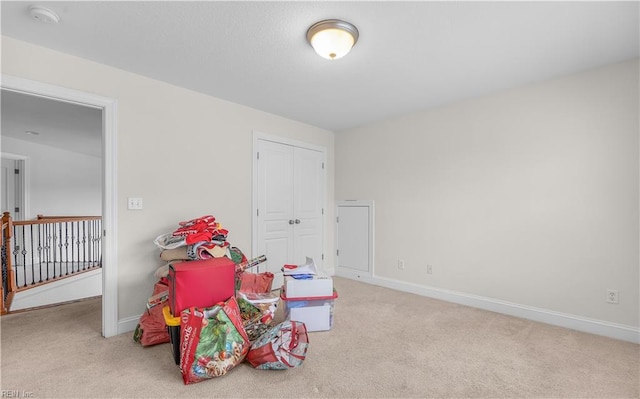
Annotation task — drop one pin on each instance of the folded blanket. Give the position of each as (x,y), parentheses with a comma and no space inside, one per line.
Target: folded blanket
(179,253)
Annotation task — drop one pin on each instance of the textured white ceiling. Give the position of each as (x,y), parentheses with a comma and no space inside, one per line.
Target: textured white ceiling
(59,124)
(410,56)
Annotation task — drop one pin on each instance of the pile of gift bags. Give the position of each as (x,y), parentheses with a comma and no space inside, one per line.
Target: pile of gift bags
(213,341)
(224,313)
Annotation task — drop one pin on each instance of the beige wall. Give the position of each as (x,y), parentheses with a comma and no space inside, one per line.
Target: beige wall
(60,182)
(529,196)
(186,154)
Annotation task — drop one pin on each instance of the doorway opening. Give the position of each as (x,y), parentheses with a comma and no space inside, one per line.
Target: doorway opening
(108,109)
(14,185)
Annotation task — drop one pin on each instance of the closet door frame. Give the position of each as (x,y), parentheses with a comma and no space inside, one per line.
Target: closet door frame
(257,136)
(359,238)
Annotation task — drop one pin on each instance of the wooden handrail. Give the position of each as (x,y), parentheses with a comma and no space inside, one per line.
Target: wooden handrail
(48,217)
(55,219)
(7,232)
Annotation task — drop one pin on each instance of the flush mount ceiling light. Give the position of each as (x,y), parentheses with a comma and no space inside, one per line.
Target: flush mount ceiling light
(44,15)
(332,38)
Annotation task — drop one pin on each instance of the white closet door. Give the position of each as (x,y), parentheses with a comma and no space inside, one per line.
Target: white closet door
(290,193)
(308,199)
(275,206)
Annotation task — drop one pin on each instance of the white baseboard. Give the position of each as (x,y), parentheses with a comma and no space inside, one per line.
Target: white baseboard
(354,275)
(128,324)
(579,323)
(592,326)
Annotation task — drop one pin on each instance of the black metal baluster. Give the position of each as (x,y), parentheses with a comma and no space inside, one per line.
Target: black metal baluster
(24,258)
(73,267)
(98,241)
(99,258)
(43,252)
(93,243)
(78,247)
(90,243)
(40,250)
(60,245)
(78,244)
(84,244)
(47,251)
(66,247)
(16,250)
(47,247)
(71,245)
(55,250)
(33,260)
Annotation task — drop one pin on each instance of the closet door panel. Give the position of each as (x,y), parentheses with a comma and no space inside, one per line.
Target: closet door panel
(308,177)
(275,206)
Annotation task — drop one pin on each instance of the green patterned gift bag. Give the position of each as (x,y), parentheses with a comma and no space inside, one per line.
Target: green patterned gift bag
(212,341)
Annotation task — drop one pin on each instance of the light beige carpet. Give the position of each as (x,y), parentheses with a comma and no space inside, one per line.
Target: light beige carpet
(384,344)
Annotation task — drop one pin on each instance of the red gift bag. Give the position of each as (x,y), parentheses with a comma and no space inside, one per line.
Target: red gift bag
(151,329)
(256,282)
(212,341)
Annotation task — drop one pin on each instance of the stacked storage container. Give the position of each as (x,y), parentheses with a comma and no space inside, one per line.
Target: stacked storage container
(309,298)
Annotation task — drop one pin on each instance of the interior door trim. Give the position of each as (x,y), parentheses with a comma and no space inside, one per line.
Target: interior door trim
(25,181)
(109,108)
(257,136)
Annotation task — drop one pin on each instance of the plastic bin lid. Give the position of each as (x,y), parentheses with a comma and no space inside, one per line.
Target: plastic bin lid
(308,298)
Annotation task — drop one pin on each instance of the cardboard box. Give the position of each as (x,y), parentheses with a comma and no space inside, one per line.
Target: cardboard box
(318,286)
(315,312)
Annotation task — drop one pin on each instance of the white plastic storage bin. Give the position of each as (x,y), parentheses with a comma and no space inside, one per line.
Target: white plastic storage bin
(315,312)
(317,286)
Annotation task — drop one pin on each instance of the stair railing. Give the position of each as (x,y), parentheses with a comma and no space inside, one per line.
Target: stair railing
(37,252)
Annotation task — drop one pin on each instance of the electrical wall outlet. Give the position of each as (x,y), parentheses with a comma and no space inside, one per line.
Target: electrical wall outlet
(612,296)
(400,264)
(429,269)
(134,203)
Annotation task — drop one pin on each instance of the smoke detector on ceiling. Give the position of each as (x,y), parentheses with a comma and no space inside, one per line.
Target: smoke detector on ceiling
(44,15)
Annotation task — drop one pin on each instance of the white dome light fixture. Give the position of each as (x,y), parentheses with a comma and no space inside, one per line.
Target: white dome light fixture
(332,38)
(44,15)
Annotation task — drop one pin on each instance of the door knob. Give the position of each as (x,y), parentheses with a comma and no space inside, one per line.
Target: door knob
(291,221)
(297,221)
